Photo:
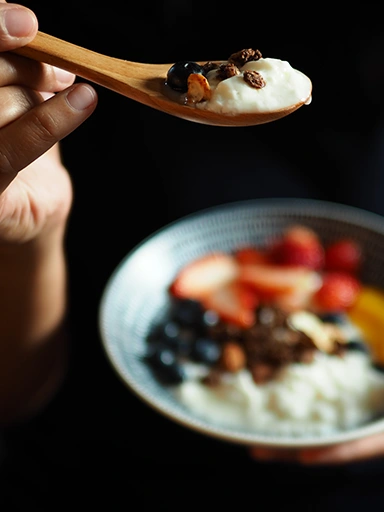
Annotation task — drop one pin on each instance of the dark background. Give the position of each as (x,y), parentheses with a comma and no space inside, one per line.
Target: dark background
(135,170)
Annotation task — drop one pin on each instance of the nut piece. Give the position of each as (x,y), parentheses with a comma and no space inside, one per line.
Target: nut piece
(243,56)
(198,88)
(233,357)
(208,66)
(262,373)
(325,336)
(227,71)
(254,79)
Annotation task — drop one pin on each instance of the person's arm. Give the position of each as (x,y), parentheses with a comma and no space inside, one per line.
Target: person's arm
(33,340)
(35,200)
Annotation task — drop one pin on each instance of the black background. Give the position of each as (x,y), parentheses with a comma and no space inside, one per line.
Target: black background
(134,170)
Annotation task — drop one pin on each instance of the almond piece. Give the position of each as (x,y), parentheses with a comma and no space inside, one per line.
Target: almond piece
(198,88)
(233,357)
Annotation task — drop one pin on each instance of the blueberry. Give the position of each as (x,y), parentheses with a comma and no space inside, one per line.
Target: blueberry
(358,345)
(379,367)
(206,351)
(169,331)
(211,318)
(159,355)
(182,342)
(188,313)
(177,76)
(163,362)
(171,375)
(334,318)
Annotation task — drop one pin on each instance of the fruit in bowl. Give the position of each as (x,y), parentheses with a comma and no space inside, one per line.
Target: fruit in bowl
(282,338)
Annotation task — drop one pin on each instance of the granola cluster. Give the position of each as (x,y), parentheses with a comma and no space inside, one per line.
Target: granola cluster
(272,344)
(199,88)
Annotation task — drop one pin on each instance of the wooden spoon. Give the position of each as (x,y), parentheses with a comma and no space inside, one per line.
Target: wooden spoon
(140,82)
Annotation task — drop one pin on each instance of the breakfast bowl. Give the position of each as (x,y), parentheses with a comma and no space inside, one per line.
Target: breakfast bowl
(140,296)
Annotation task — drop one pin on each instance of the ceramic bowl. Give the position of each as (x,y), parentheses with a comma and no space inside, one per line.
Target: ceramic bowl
(136,295)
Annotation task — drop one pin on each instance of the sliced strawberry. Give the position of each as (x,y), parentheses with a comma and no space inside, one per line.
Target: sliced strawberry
(251,255)
(338,292)
(299,246)
(204,275)
(295,300)
(345,255)
(273,280)
(234,303)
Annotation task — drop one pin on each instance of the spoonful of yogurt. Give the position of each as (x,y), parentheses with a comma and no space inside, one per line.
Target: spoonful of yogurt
(244,90)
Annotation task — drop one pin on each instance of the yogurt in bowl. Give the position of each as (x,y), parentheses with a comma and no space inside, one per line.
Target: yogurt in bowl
(261,339)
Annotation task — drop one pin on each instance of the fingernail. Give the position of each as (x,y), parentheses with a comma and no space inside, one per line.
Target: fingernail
(19,22)
(46,95)
(81,97)
(62,76)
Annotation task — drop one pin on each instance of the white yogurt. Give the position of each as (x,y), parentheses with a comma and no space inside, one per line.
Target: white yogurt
(285,86)
(330,394)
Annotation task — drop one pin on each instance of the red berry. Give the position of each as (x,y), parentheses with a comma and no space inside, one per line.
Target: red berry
(249,254)
(344,255)
(234,303)
(338,292)
(300,246)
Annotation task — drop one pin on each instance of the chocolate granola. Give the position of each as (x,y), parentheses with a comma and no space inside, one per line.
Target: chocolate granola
(266,348)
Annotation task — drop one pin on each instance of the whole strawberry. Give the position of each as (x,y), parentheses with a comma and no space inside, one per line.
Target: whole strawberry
(344,254)
(299,246)
(338,292)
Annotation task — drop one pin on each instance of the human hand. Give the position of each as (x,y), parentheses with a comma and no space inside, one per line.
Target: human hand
(349,452)
(40,105)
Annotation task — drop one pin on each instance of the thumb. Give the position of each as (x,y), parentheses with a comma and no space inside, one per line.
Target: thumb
(18,26)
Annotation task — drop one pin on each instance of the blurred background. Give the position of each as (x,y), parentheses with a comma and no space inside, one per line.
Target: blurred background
(134,170)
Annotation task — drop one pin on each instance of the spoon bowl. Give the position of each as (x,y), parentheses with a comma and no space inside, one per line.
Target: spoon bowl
(140,82)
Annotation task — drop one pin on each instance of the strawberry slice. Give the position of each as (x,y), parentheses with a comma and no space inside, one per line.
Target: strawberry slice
(272,280)
(294,300)
(251,255)
(234,303)
(204,275)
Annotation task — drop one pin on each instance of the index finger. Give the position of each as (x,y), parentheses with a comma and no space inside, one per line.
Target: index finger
(352,451)
(32,134)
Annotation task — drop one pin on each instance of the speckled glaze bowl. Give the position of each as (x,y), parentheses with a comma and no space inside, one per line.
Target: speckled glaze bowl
(136,293)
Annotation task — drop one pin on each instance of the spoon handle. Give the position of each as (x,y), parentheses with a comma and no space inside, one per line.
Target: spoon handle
(85,63)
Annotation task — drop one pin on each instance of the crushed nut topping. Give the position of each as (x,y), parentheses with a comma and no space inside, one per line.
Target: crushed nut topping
(243,56)
(274,342)
(254,79)
(233,357)
(209,66)
(198,88)
(227,70)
